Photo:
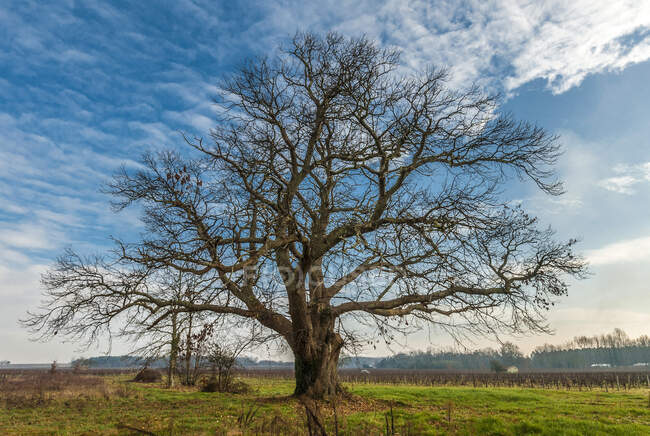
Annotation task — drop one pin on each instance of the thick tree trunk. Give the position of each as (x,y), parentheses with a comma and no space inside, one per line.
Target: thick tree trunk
(316,367)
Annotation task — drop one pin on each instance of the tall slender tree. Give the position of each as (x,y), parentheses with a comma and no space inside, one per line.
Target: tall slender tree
(337,188)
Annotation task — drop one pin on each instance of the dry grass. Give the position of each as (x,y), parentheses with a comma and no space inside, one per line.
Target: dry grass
(34,388)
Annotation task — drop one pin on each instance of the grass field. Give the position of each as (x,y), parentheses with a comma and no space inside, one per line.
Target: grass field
(86,404)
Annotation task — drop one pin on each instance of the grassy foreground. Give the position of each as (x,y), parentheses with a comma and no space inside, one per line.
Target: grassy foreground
(114,406)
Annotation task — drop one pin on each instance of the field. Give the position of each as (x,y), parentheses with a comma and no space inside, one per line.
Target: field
(64,403)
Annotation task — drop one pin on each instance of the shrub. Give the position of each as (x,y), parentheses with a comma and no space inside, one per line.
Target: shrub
(497,366)
(147,375)
(234,386)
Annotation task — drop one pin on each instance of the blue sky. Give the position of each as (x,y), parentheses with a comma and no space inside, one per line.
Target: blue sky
(87,86)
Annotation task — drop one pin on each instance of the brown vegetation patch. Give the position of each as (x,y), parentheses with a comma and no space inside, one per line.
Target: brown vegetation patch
(232,387)
(31,389)
(148,375)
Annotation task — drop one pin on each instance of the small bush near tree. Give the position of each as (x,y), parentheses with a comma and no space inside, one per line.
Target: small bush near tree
(147,375)
(222,360)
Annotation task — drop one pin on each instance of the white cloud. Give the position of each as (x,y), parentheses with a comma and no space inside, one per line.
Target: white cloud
(200,123)
(155,134)
(11,208)
(72,55)
(569,40)
(632,250)
(27,236)
(629,175)
(558,41)
(622,185)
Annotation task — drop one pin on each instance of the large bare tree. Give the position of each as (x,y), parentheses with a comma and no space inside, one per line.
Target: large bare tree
(338,188)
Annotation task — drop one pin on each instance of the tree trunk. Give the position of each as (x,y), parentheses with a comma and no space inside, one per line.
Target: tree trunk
(188,353)
(171,370)
(173,351)
(316,367)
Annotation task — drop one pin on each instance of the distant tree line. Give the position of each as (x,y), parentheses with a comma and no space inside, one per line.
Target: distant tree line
(613,349)
(484,359)
(118,362)
(163,362)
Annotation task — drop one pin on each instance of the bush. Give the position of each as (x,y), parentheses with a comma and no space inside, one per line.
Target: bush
(211,385)
(148,375)
(233,387)
(497,366)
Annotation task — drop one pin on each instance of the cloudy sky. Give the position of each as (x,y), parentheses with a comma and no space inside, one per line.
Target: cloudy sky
(87,86)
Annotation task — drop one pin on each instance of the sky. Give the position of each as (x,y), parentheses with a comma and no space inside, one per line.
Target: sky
(88,86)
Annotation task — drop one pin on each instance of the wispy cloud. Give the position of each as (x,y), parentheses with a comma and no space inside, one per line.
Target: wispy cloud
(505,43)
(628,251)
(28,236)
(566,41)
(627,177)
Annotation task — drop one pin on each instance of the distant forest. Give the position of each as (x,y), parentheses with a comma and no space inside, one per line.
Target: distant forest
(614,349)
(135,362)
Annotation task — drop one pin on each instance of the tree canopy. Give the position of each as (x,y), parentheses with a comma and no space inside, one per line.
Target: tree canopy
(335,189)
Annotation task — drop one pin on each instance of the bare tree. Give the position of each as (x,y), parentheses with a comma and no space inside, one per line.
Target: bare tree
(224,349)
(337,189)
(172,330)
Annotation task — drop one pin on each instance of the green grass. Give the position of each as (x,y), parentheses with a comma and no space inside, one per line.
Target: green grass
(420,410)
(520,411)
